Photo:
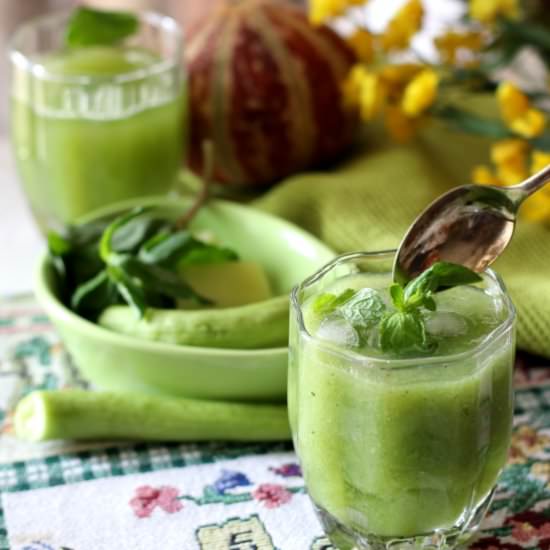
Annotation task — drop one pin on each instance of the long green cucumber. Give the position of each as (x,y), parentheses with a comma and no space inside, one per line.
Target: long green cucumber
(78,414)
(253,326)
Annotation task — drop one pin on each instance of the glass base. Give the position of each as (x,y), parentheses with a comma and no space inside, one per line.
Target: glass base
(344,538)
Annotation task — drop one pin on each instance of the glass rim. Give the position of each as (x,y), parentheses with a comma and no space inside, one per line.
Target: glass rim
(382,362)
(38,71)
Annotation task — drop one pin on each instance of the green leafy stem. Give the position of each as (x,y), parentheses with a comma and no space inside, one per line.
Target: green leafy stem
(402,329)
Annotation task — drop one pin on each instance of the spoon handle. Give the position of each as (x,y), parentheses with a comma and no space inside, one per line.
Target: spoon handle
(523,190)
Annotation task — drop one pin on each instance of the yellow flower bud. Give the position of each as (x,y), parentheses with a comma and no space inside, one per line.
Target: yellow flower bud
(451,43)
(517,112)
(539,160)
(371,96)
(396,77)
(513,102)
(486,11)
(510,158)
(362,43)
(403,26)
(321,11)
(351,87)
(530,125)
(483,175)
(420,93)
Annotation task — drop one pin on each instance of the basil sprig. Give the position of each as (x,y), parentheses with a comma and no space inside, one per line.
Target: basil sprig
(92,27)
(403,331)
(133,259)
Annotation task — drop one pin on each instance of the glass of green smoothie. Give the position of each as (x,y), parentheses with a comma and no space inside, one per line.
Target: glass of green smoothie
(96,123)
(399,447)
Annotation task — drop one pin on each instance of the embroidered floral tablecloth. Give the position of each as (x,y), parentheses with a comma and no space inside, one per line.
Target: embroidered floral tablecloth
(209,496)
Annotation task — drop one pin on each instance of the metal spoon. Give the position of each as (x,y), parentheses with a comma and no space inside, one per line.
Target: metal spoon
(469,225)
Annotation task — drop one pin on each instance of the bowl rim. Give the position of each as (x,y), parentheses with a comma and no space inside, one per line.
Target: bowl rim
(58,311)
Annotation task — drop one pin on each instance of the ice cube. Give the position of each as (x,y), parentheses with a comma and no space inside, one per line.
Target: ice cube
(338,331)
(446,324)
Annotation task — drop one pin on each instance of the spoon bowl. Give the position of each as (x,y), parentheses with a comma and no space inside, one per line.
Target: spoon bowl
(469,225)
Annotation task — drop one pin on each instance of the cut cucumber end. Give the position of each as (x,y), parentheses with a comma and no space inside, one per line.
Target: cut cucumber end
(30,419)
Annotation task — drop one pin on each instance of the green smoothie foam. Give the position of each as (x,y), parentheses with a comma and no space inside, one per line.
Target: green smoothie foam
(400,446)
(78,148)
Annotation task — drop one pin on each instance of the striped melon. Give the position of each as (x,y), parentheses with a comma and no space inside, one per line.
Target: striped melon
(265,87)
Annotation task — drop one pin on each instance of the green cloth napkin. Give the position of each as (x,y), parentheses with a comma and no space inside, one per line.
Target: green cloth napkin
(367,203)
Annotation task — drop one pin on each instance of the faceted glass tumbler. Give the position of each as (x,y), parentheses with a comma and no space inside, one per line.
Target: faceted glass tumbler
(399,452)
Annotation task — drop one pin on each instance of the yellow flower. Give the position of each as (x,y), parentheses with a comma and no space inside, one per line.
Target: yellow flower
(396,77)
(512,102)
(450,43)
(420,93)
(403,26)
(483,175)
(362,43)
(371,96)
(539,160)
(510,159)
(351,87)
(530,125)
(320,11)
(486,11)
(517,113)
(537,208)
(401,127)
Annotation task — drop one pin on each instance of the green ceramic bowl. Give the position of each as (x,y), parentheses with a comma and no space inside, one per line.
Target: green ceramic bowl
(116,362)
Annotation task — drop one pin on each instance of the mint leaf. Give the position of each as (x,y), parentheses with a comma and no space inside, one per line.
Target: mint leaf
(364,309)
(403,333)
(398,296)
(439,276)
(325,304)
(91,27)
(133,259)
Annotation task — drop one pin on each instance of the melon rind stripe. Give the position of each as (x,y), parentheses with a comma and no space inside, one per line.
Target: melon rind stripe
(301,117)
(220,100)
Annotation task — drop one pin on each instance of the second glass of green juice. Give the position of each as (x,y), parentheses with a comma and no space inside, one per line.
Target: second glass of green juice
(97,124)
(400,451)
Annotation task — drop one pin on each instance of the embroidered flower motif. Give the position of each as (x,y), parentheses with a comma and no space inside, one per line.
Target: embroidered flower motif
(229,480)
(271,495)
(541,470)
(493,543)
(148,498)
(38,545)
(287,470)
(526,441)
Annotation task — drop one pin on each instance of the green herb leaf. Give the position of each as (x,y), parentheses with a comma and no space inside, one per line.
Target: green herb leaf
(208,254)
(364,309)
(439,276)
(157,280)
(403,333)
(131,259)
(130,236)
(57,244)
(325,304)
(167,249)
(93,295)
(91,27)
(398,296)
(106,249)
